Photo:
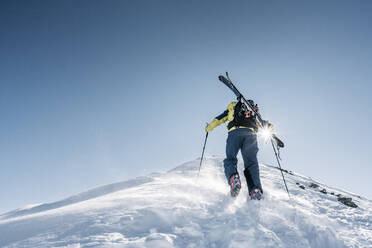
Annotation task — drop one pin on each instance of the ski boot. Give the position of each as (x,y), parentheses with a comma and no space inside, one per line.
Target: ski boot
(235,185)
(256,194)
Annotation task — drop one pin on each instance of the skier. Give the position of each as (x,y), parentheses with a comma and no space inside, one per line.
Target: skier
(242,135)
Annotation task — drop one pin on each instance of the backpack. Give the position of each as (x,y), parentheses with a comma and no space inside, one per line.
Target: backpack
(243,117)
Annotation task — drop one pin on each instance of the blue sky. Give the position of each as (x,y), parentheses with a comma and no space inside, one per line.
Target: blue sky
(95,92)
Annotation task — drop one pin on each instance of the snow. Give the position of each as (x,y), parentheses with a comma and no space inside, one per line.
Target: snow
(175,209)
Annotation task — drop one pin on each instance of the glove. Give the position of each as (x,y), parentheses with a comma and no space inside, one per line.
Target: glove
(211,125)
(208,128)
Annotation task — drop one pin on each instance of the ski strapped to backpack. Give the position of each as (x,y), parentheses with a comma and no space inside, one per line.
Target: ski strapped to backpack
(262,123)
(227,81)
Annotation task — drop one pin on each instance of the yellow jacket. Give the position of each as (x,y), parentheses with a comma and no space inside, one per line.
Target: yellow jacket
(227,115)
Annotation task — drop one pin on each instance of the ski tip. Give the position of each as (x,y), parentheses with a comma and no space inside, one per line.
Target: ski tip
(221,78)
(279,142)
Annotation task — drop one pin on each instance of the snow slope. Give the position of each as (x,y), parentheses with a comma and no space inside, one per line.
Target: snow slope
(174,209)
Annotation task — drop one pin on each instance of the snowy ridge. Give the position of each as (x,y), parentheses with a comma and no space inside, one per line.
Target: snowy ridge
(173,209)
(90,194)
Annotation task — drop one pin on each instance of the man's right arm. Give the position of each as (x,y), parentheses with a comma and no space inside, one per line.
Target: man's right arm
(227,115)
(217,121)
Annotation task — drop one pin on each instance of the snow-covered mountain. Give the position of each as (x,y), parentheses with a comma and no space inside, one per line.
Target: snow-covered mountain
(174,209)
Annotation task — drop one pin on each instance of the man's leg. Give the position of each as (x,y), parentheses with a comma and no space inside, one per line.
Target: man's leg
(232,149)
(249,154)
(230,163)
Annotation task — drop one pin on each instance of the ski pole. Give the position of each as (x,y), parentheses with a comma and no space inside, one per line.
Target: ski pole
(201,159)
(280,168)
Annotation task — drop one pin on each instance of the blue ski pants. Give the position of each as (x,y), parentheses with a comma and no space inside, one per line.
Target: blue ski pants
(245,140)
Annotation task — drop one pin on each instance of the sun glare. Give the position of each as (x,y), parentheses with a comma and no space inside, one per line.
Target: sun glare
(265,133)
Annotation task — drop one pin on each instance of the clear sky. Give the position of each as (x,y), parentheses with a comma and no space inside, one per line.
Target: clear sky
(95,92)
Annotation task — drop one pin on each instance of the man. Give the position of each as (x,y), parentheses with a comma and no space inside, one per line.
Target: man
(242,135)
